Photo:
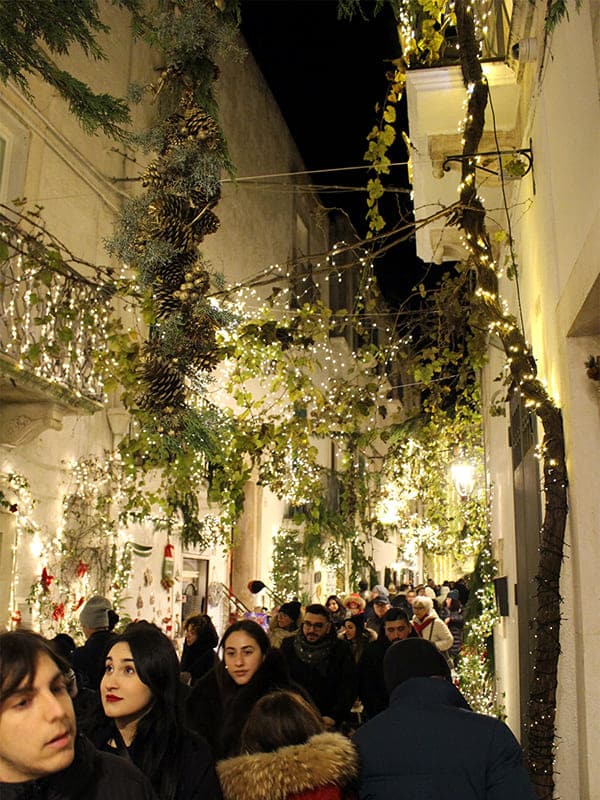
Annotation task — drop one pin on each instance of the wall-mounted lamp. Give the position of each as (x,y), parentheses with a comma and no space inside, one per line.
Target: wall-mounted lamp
(525,50)
(255,587)
(463,477)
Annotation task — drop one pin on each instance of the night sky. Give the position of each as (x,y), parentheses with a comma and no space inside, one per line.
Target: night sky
(327,75)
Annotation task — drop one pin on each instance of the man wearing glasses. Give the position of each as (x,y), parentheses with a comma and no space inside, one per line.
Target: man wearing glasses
(323,665)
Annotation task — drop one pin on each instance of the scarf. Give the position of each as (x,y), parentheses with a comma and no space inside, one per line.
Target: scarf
(420,626)
(315,655)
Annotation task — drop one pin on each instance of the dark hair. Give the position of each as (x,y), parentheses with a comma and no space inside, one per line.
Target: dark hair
(336,598)
(64,645)
(113,618)
(358,620)
(250,627)
(391,615)
(280,719)
(157,745)
(224,680)
(317,608)
(202,626)
(20,652)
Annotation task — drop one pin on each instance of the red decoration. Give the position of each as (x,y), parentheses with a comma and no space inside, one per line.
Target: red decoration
(16,618)
(78,604)
(168,567)
(82,568)
(59,612)
(46,580)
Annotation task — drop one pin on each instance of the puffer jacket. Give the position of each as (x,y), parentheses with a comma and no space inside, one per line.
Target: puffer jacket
(323,768)
(92,776)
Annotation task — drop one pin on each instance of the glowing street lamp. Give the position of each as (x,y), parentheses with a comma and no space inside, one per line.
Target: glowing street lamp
(463,477)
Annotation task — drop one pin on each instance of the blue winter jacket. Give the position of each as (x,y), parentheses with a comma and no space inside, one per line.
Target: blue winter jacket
(429,746)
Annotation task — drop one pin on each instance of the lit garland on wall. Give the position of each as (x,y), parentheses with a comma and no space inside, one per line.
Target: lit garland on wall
(476,671)
(89,553)
(287,563)
(53,322)
(22,505)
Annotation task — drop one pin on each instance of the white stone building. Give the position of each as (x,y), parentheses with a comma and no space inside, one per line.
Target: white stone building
(544,97)
(45,425)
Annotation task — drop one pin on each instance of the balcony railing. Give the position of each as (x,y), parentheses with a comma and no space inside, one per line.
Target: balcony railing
(434,41)
(52,319)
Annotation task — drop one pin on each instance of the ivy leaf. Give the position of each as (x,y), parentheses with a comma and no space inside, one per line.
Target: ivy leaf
(65,335)
(389,115)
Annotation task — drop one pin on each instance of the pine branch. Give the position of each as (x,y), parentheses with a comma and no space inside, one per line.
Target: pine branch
(32,32)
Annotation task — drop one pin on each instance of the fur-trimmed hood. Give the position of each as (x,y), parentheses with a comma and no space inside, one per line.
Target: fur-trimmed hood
(327,758)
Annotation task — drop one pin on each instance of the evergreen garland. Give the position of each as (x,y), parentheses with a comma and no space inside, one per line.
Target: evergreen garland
(158,235)
(285,573)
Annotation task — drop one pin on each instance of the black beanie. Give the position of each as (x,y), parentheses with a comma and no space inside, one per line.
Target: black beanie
(292,609)
(413,658)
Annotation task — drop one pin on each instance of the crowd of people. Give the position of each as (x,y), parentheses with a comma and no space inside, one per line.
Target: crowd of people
(335,701)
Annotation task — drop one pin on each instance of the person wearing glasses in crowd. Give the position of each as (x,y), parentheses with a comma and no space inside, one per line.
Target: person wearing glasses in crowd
(323,665)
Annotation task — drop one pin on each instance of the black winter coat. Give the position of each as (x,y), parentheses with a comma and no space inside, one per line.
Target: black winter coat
(196,774)
(92,776)
(334,692)
(198,659)
(371,686)
(485,761)
(88,660)
(218,709)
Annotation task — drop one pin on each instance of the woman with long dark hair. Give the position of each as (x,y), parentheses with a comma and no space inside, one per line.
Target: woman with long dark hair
(201,638)
(288,754)
(142,720)
(337,611)
(221,701)
(357,635)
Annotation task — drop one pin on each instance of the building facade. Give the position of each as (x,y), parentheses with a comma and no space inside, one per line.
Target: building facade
(56,429)
(544,90)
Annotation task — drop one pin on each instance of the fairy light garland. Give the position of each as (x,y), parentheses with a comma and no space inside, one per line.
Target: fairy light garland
(522,370)
(88,551)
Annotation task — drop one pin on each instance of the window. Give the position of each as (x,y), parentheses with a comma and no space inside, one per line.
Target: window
(14,145)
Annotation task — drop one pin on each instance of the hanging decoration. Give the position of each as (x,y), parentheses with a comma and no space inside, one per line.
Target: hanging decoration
(168,567)
(89,552)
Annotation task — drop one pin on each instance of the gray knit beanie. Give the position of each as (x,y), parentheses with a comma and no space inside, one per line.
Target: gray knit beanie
(94,614)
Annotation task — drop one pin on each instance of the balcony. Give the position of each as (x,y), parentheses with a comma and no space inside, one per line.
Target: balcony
(436,106)
(52,322)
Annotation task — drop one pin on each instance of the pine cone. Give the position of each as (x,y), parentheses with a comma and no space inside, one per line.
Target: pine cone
(153,176)
(200,125)
(166,302)
(172,272)
(206,224)
(164,384)
(202,198)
